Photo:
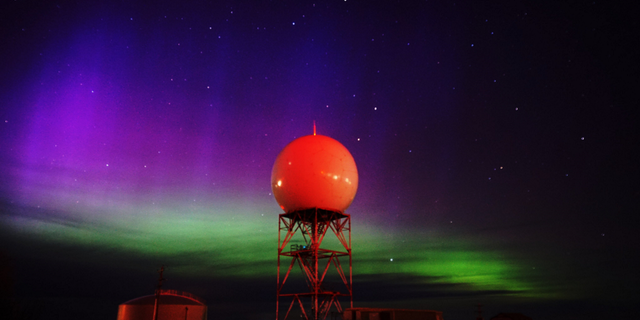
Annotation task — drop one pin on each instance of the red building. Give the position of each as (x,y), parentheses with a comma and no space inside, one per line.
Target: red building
(172,305)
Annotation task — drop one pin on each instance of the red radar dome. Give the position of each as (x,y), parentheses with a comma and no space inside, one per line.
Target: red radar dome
(314,172)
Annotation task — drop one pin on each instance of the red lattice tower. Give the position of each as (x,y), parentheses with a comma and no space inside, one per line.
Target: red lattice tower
(314,179)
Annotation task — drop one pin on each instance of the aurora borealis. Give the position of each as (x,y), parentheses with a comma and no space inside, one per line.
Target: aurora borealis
(496,147)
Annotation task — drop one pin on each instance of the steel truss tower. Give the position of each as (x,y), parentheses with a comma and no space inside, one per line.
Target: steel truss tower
(314,261)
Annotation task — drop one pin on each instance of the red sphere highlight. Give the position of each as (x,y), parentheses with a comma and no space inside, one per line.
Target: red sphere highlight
(314,172)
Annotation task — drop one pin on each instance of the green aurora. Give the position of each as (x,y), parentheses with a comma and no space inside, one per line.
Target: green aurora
(235,241)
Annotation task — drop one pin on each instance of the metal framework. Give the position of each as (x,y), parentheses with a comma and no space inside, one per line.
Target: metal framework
(314,261)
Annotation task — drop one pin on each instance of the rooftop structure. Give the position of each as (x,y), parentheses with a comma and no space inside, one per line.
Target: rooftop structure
(390,314)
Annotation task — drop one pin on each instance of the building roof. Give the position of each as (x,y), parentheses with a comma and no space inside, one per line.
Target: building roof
(168,297)
(510,316)
(392,309)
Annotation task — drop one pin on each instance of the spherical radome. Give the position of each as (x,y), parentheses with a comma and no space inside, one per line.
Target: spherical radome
(314,172)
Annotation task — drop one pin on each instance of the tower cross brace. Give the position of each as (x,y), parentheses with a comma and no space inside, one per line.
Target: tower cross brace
(314,260)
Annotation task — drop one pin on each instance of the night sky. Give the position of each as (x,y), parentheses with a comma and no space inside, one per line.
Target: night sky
(496,145)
